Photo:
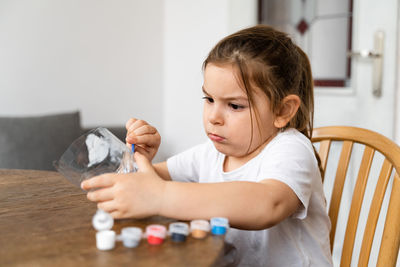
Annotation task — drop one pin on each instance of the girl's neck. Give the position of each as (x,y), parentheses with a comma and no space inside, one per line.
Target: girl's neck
(232,163)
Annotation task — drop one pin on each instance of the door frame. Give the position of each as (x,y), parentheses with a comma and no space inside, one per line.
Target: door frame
(396,122)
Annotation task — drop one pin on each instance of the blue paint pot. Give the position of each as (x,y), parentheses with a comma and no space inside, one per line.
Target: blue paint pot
(178,231)
(178,237)
(219,225)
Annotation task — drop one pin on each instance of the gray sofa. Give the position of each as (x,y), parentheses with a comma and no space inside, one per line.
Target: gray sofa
(35,142)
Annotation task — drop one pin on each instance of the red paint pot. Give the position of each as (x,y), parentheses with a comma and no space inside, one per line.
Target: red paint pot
(155,234)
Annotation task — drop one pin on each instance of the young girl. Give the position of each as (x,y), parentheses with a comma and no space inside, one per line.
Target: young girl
(258,168)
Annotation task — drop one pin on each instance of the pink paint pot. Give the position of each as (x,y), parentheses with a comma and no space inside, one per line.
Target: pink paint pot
(156,234)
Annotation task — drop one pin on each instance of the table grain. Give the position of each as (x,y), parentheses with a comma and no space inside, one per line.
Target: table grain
(46,221)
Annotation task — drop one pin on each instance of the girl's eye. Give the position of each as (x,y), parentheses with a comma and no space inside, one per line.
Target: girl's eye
(208,99)
(235,107)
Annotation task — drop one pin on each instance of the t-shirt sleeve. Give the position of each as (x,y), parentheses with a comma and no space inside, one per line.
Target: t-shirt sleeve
(184,167)
(293,163)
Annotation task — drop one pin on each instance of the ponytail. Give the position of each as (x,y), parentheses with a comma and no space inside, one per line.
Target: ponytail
(306,93)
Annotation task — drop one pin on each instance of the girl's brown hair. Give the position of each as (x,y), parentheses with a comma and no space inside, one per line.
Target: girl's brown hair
(268,59)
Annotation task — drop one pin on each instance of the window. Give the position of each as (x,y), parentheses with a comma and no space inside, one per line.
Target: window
(322,28)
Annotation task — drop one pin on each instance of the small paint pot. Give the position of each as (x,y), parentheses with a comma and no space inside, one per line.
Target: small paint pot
(179,231)
(155,234)
(199,228)
(131,236)
(105,240)
(219,225)
(102,220)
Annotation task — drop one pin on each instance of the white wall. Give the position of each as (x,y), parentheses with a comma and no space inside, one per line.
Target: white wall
(191,29)
(103,58)
(114,59)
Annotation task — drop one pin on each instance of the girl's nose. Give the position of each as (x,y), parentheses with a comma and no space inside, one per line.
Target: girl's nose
(215,116)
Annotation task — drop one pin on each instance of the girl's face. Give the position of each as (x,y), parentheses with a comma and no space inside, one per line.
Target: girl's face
(227,117)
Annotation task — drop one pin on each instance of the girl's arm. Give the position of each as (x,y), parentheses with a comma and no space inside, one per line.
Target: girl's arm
(247,205)
(162,170)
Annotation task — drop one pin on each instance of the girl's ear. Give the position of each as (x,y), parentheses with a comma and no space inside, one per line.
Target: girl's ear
(287,110)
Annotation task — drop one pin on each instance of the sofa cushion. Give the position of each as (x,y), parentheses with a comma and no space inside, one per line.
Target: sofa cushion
(35,142)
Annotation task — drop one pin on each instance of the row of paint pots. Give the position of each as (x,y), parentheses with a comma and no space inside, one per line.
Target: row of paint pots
(179,230)
(155,233)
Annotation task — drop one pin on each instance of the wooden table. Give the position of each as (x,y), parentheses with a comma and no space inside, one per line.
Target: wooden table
(46,221)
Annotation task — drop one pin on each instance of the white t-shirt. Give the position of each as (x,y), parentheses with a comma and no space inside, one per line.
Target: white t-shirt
(300,240)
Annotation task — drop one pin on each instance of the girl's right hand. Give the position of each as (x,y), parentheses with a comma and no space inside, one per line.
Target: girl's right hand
(145,137)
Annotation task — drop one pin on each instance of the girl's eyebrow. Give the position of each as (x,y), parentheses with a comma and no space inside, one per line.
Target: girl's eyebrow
(226,98)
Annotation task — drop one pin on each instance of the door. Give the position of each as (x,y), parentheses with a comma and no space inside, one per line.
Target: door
(357,90)
(374,24)
(356,105)
(326,30)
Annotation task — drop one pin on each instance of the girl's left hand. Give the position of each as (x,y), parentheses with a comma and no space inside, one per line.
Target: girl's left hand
(129,195)
(146,138)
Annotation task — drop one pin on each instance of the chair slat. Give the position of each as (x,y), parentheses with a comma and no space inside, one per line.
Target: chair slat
(374,211)
(323,152)
(387,252)
(356,204)
(338,186)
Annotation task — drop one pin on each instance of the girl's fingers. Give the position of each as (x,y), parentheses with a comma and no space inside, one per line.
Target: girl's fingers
(108,206)
(101,195)
(129,123)
(131,139)
(144,129)
(139,127)
(136,124)
(143,163)
(116,214)
(149,140)
(142,149)
(100,181)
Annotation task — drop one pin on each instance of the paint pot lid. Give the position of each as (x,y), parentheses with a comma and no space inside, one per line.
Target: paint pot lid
(102,220)
(131,233)
(156,230)
(219,221)
(200,225)
(179,228)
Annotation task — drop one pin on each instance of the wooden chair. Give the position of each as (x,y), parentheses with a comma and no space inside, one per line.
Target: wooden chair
(372,141)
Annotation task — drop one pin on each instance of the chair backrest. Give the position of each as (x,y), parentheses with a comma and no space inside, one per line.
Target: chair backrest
(389,243)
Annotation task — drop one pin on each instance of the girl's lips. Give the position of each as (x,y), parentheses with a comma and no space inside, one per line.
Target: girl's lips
(215,138)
